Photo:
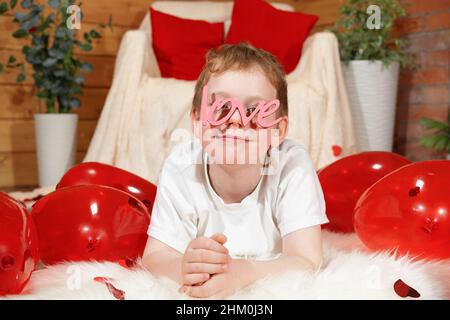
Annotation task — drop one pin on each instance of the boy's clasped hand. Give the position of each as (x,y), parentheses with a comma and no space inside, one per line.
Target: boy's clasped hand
(208,270)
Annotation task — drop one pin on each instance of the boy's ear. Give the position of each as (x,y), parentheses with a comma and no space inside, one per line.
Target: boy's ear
(282,131)
(284,125)
(194,114)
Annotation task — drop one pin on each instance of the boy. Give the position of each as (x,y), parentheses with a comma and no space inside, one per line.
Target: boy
(220,220)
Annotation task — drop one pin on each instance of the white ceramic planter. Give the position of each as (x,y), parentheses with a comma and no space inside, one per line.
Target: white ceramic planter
(372,91)
(56,145)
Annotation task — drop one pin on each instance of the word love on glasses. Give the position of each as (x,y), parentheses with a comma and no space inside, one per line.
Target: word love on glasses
(261,112)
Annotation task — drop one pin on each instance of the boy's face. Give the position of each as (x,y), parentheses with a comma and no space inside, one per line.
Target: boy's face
(232,142)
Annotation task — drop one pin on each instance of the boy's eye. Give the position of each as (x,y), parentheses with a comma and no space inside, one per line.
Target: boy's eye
(226,106)
(249,111)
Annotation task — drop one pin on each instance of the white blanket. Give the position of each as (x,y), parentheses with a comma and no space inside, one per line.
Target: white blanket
(349,273)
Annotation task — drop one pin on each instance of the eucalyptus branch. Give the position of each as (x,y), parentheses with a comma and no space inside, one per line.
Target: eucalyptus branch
(56,70)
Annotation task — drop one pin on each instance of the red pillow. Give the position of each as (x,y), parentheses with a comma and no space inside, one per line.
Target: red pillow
(281,33)
(180,45)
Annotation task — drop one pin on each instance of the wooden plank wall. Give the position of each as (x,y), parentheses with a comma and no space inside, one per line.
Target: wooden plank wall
(18,167)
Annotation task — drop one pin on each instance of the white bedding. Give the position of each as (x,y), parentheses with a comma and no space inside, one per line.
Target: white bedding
(349,273)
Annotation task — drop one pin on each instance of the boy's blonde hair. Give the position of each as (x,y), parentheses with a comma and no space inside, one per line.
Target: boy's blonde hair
(242,56)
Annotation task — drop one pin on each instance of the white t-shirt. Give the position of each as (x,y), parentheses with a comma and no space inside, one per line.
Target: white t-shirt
(186,206)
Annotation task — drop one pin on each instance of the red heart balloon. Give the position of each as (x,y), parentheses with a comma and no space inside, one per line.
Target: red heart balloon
(408,210)
(87,222)
(18,246)
(346,179)
(89,173)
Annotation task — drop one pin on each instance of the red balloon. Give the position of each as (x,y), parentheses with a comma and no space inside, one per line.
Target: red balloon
(346,179)
(90,222)
(89,173)
(18,246)
(408,210)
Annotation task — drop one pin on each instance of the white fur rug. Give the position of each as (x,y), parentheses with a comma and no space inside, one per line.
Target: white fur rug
(350,272)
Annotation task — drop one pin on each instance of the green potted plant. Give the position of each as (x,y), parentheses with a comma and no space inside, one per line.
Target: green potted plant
(371,54)
(439,136)
(56,73)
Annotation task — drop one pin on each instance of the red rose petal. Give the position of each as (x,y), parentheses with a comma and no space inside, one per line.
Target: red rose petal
(127,263)
(116,293)
(102,279)
(337,150)
(404,290)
